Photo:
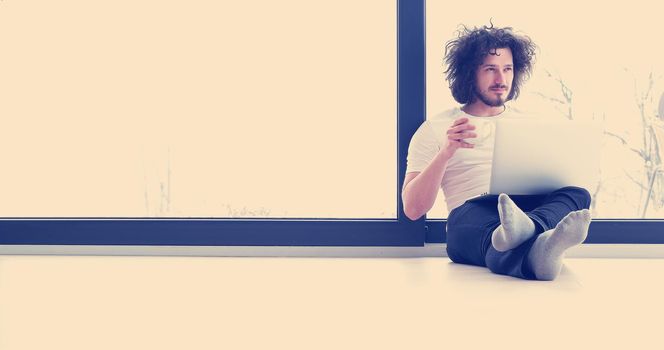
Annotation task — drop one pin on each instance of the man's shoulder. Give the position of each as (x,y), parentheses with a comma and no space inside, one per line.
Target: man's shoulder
(435,126)
(442,120)
(446,115)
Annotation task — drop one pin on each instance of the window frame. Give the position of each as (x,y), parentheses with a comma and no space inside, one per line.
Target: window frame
(411,112)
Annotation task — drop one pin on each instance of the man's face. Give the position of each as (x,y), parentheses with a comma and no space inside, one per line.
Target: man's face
(493,79)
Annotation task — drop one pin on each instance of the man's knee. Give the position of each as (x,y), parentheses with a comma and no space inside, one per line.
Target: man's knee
(579,193)
(451,245)
(454,254)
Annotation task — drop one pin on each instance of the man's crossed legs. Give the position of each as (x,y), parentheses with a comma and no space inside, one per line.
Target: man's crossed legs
(546,254)
(528,244)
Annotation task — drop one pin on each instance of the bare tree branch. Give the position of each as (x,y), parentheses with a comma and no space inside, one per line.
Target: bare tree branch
(552,99)
(636,182)
(637,151)
(616,136)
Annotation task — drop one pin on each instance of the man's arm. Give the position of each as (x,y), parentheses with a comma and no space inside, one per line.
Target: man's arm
(421,188)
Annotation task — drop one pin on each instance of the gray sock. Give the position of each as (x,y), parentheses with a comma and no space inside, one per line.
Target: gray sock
(515,226)
(546,255)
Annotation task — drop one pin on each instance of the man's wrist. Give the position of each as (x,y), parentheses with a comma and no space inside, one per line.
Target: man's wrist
(446,152)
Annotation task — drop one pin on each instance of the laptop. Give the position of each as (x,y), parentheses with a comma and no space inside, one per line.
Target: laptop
(540,156)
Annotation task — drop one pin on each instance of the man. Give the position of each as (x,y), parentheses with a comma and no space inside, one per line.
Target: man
(522,236)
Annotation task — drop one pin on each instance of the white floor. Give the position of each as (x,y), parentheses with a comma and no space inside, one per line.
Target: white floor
(89,302)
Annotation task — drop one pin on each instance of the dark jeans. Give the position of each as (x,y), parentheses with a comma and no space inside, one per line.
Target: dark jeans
(469,228)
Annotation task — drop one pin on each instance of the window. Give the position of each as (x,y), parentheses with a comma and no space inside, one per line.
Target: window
(203,123)
(585,70)
(159,67)
(200,110)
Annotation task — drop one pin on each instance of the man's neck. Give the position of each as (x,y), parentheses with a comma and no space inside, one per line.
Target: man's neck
(479,109)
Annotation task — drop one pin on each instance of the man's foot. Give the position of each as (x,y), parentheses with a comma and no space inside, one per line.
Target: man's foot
(546,255)
(515,226)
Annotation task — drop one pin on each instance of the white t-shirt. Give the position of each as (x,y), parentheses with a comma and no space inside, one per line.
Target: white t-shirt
(468,172)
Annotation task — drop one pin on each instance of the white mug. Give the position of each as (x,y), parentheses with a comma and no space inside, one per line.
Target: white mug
(484,130)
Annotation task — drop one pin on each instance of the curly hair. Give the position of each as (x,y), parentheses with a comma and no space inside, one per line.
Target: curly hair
(466,53)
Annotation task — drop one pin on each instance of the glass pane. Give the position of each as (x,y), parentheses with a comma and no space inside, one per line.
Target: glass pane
(198,109)
(613,73)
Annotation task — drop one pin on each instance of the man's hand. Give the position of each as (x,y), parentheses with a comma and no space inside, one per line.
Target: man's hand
(457,133)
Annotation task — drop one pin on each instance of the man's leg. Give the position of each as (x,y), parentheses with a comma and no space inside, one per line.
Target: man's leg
(515,227)
(546,254)
(546,214)
(469,230)
(558,204)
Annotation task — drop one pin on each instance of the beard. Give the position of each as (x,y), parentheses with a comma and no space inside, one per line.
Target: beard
(491,101)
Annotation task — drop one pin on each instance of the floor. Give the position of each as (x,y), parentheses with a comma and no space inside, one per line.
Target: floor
(91,302)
